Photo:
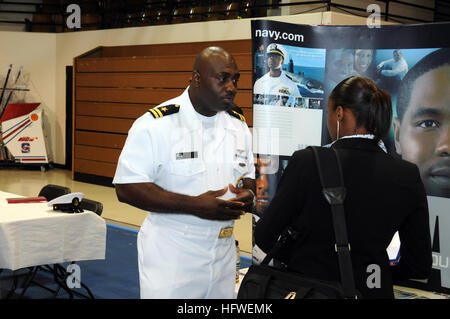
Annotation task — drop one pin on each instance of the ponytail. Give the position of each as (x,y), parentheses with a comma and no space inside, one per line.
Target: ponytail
(371,106)
(380,114)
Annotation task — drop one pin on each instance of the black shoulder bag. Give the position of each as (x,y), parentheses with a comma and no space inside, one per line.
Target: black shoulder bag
(266,282)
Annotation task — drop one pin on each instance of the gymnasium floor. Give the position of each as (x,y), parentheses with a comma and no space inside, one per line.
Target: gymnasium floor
(28,182)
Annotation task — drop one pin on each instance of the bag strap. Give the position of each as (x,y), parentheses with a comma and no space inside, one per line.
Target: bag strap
(332,180)
(288,235)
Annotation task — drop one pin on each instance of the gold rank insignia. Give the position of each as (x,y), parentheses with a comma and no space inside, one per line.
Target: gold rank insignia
(237,115)
(164,110)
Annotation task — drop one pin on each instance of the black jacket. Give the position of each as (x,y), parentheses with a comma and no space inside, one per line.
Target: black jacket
(384,195)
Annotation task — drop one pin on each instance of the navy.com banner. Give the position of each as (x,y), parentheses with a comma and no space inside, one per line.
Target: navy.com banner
(295,68)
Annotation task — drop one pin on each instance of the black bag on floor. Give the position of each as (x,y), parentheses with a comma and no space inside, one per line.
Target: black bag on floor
(267,282)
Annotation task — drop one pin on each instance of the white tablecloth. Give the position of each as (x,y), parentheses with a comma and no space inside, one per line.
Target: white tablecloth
(34,234)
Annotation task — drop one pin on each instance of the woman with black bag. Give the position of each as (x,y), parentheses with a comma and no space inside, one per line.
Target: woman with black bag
(384,195)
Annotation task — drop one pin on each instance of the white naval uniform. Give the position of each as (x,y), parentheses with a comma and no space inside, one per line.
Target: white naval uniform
(180,255)
(281,85)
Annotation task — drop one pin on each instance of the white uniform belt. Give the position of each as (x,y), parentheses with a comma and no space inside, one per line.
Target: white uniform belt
(212,230)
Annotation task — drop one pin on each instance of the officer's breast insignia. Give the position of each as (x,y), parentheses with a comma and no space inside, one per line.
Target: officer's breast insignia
(237,115)
(284,90)
(164,110)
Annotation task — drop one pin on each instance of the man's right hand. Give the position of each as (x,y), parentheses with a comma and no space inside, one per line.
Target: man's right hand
(214,208)
(151,197)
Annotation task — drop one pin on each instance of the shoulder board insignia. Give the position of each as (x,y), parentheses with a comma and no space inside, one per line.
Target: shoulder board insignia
(164,110)
(237,115)
(236,108)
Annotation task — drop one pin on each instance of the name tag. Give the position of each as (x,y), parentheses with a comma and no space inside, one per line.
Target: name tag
(185,155)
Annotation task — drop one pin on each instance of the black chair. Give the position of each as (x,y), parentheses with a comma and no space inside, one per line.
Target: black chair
(92,205)
(60,271)
(52,191)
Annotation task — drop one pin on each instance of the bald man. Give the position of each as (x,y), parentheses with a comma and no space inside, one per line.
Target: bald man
(188,162)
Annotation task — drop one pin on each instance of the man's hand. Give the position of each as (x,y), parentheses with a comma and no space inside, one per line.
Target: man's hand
(212,207)
(150,197)
(243,195)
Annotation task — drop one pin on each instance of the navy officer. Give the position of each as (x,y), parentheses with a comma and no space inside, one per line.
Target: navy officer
(189,163)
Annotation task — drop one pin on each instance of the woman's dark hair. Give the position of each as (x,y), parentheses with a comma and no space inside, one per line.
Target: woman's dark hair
(371,106)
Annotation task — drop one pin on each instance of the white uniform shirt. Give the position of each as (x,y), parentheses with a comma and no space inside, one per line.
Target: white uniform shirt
(170,152)
(281,85)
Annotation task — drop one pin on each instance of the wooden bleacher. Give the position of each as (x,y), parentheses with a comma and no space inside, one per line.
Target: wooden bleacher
(115,85)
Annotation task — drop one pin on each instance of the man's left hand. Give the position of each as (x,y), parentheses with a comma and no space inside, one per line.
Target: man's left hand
(243,195)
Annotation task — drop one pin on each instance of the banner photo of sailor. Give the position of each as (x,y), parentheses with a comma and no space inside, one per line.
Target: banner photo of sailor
(291,71)
(287,96)
(412,63)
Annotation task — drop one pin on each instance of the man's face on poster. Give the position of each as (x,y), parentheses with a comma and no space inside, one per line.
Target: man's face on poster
(274,61)
(397,55)
(341,66)
(345,66)
(423,136)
